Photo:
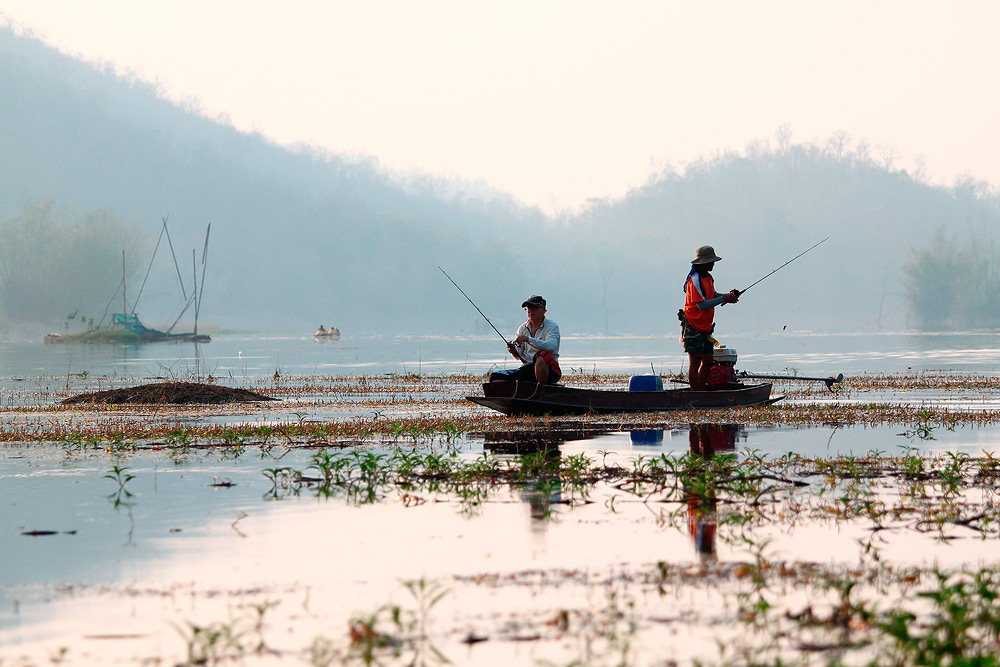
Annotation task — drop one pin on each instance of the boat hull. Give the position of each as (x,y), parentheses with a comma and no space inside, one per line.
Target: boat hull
(529,398)
(125,337)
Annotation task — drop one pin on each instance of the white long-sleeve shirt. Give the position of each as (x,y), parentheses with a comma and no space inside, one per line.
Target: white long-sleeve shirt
(545,338)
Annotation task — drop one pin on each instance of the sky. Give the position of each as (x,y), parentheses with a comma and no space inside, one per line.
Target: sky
(557,102)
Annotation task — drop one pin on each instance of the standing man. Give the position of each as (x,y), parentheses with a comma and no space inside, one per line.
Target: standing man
(536,345)
(698,316)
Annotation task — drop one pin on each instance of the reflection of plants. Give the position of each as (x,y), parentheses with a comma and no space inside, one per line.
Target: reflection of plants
(212,643)
(953,472)
(604,634)
(79,442)
(221,642)
(426,595)
(121,478)
(322,653)
(260,610)
(330,467)
(963,629)
(58,657)
(367,637)
(923,429)
(754,603)
(394,629)
(283,479)
(118,444)
(179,438)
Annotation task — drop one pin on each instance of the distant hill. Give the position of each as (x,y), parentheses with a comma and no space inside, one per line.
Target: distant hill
(762,209)
(302,237)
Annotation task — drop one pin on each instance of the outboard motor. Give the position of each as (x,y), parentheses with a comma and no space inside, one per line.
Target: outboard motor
(723,368)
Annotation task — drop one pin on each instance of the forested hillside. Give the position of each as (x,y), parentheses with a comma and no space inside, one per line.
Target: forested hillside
(763,206)
(297,235)
(300,236)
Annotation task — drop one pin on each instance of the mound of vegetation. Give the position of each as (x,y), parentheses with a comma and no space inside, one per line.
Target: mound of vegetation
(170,392)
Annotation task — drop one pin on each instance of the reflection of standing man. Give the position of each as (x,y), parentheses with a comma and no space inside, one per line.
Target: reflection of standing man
(705,440)
(537,345)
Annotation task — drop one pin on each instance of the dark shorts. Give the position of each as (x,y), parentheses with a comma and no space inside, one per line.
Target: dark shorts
(526,373)
(695,341)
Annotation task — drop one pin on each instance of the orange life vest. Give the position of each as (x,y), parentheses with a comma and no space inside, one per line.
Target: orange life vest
(701,320)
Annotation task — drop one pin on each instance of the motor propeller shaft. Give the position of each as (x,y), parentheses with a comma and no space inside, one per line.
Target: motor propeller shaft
(830,381)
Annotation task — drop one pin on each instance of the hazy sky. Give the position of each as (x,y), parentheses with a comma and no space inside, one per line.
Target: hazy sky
(557,102)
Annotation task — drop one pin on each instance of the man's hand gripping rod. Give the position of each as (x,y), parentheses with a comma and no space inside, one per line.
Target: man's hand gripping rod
(510,345)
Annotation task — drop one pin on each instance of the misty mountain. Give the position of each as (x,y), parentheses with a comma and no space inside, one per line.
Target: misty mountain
(761,208)
(297,235)
(302,237)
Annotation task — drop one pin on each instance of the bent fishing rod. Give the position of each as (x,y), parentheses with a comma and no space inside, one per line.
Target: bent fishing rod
(786,263)
(510,345)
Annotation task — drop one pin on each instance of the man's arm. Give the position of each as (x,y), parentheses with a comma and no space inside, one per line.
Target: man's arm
(729,297)
(551,341)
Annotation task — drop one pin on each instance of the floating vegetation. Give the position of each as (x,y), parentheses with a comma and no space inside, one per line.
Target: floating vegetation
(322,411)
(169,392)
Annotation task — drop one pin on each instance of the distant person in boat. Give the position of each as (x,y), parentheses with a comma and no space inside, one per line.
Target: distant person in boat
(536,345)
(698,317)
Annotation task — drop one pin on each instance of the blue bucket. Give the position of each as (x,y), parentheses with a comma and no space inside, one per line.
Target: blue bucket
(645,383)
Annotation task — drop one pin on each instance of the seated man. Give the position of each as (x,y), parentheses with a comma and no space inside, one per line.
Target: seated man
(537,345)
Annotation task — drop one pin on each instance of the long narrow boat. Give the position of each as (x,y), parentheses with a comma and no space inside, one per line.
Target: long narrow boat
(529,398)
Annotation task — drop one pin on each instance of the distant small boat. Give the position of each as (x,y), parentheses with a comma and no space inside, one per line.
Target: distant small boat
(332,332)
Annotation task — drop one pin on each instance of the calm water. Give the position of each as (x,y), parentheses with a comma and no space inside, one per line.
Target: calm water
(205,537)
(258,355)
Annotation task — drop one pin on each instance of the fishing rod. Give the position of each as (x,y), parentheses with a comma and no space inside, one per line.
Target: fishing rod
(787,263)
(510,345)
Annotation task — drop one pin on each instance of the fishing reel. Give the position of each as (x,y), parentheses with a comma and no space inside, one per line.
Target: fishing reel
(723,369)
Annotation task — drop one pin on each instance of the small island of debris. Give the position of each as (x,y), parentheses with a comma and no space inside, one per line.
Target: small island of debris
(178,393)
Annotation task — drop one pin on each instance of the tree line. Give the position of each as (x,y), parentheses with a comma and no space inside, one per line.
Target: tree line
(54,265)
(952,282)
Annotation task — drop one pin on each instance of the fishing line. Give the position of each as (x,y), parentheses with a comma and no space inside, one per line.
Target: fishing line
(475,306)
(786,263)
(792,311)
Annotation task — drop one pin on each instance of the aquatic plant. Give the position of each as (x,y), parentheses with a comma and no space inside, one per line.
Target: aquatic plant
(962,628)
(212,643)
(121,478)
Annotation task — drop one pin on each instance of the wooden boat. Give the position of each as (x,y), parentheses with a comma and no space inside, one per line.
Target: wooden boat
(530,398)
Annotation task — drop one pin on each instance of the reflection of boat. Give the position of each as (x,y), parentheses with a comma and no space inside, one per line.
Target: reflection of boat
(332,332)
(536,442)
(537,399)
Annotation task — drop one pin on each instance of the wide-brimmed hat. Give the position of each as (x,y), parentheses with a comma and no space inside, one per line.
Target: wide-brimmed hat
(705,255)
(533,301)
